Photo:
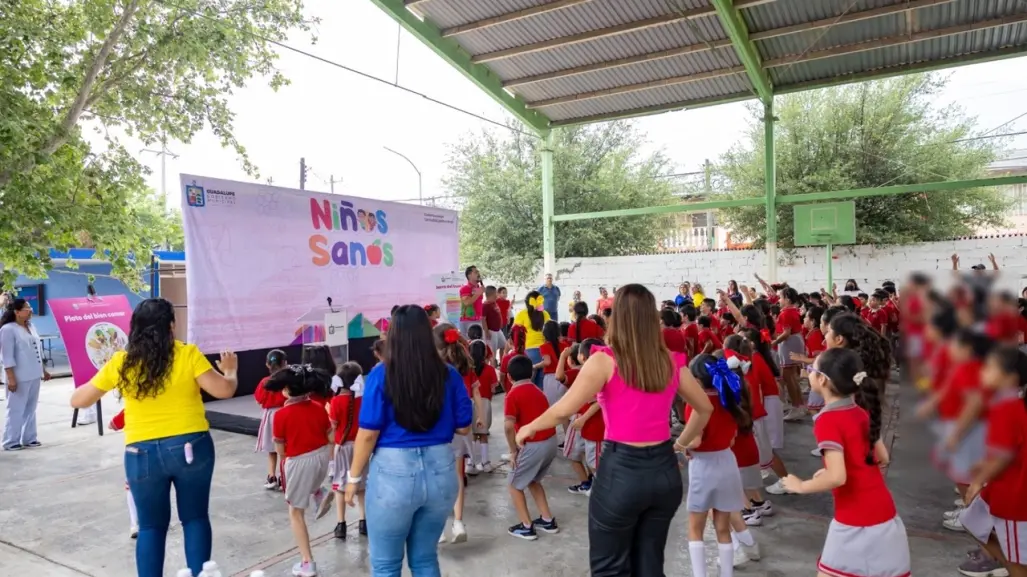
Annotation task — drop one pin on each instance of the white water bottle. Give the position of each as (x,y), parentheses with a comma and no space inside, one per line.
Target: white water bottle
(184,573)
(210,569)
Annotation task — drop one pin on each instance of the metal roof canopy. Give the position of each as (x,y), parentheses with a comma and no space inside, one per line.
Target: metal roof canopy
(555,63)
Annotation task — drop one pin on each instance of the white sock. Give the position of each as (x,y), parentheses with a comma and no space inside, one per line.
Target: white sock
(697,553)
(484,452)
(727,557)
(475,450)
(744,537)
(133,516)
(734,540)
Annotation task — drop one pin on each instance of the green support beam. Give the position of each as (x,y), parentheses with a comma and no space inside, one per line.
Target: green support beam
(948,185)
(458,58)
(548,223)
(668,209)
(770,188)
(731,19)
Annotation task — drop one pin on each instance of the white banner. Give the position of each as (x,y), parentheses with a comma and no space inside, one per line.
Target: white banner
(447,295)
(261,256)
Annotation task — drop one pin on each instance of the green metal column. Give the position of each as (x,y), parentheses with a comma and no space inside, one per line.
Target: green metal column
(770,168)
(548,225)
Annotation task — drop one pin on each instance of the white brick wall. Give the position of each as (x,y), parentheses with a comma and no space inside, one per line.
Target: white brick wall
(869,265)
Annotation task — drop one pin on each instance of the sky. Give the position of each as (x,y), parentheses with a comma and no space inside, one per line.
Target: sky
(341,123)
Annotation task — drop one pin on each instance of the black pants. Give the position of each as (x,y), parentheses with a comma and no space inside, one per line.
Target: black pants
(636,492)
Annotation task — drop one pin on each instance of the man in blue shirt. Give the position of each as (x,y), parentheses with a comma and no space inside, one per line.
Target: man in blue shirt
(551,298)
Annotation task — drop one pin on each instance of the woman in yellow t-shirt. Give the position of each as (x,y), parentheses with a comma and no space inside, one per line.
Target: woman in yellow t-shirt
(167,438)
(532,318)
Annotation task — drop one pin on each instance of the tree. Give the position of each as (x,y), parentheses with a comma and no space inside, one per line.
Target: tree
(156,69)
(874,134)
(498,180)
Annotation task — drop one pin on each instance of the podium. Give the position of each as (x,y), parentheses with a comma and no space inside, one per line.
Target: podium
(330,326)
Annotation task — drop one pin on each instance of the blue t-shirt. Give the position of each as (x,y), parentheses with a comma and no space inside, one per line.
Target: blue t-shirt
(377,413)
(680,299)
(550,296)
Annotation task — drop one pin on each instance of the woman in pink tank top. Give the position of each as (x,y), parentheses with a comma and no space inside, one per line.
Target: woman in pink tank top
(638,488)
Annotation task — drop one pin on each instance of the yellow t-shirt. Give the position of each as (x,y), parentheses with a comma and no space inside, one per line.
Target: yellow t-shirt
(177,410)
(697,299)
(534,339)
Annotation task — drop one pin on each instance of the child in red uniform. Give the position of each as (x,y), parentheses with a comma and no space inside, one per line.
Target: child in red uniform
(708,308)
(728,326)
(517,336)
(997,515)
(583,327)
(690,330)
(875,315)
(670,323)
(550,351)
(707,340)
(531,460)
(342,413)
(961,408)
(814,341)
(866,538)
(485,375)
(270,403)
(583,443)
(765,370)
(504,304)
(320,357)
(434,314)
(302,433)
(737,353)
(714,481)
(454,353)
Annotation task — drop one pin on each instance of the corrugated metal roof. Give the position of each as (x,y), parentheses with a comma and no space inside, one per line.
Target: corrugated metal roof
(831,39)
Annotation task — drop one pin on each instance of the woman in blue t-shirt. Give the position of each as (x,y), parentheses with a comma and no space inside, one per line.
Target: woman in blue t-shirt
(413,404)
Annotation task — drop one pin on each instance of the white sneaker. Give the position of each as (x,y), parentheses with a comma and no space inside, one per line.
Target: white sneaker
(795,414)
(959,503)
(486,467)
(459,532)
(740,558)
(505,457)
(442,537)
(817,452)
(753,551)
(472,469)
(752,518)
(953,525)
(480,467)
(778,488)
(82,421)
(954,514)
(766,509)
(133,532)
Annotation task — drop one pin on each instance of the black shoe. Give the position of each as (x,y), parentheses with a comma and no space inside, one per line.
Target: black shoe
(362,527)
(547,526)
(34,444)
(522,532)
(340,531)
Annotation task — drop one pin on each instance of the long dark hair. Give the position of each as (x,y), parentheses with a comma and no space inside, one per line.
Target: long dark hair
(763,348)
(415,374)
(873,349)
(13,307)
(551,333)
(453,350)
(150,351)
(478,351)
(319,357)
(841,367)
(763,305)
(737,407)
(580,314)
(517,338)
(536,316)
(301,380)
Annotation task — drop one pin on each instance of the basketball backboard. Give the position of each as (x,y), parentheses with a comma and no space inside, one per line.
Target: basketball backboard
(825,223)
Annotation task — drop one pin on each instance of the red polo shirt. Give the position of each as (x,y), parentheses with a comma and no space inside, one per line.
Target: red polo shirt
(525,403)
(1007,436)
(302,425)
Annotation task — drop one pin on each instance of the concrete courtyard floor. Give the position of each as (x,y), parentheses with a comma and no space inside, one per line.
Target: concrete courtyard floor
(63,513)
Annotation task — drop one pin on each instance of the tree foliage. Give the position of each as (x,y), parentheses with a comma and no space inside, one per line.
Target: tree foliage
(498,180)
(158,70)
(869,135)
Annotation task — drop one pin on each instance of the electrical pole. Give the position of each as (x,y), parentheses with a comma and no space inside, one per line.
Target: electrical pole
(711,237)
(303,173)
(163,153)
(332,181)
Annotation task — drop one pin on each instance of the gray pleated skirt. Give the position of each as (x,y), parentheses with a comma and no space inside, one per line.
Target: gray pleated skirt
(265,432)
(340,466)
(462,446)
(552,388)
(714,482)
(877,551)
(792,344)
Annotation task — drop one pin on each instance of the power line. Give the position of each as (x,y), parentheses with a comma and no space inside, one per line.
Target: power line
(348,69)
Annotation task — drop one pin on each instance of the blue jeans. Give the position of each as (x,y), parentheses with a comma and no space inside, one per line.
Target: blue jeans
(410,493)
(536,357)
(151,468)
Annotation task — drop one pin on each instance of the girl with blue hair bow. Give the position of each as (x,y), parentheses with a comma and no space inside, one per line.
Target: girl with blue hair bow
(714,482)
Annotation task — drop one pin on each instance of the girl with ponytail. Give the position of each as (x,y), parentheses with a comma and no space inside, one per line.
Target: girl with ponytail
(866,538)
(714,481)
(517,337)
(485,376)
(765,370)
(342,413)
(583,326)
(270,402)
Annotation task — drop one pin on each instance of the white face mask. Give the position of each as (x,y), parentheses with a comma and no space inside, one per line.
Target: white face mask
(735,363)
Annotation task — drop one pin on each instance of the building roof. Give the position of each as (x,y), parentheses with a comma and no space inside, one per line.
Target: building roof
(558,62)
(1014,160)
